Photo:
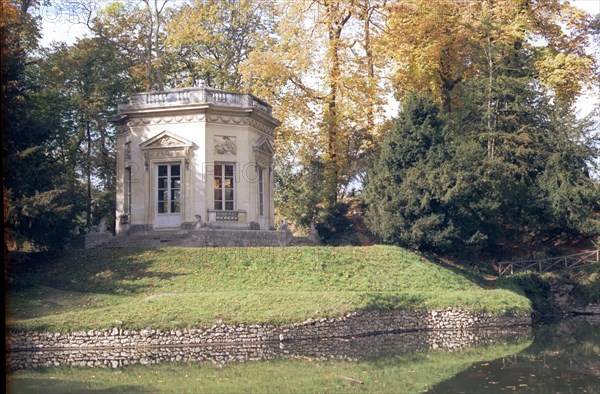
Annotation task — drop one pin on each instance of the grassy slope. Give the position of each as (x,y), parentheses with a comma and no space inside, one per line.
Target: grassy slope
(406,373)
(190,287)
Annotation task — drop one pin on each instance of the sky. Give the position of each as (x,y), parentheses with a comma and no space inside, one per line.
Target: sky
(591,99)
(58,24)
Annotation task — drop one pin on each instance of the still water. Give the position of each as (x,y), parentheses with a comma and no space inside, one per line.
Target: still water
(560,357)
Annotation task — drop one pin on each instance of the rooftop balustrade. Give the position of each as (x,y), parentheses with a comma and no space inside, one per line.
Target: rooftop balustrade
(196,95)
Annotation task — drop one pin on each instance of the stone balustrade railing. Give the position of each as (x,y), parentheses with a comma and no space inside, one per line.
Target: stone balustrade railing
(198,95)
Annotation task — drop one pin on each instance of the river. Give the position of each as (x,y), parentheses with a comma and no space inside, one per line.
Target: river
(563,356)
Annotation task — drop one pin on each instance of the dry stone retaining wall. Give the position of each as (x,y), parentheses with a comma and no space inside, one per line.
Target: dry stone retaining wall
(352,325)
(349,350)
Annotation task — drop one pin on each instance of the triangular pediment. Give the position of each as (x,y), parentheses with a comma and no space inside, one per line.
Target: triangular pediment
(264,145)
(164,140)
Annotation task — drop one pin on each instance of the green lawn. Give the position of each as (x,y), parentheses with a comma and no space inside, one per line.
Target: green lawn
(191,287)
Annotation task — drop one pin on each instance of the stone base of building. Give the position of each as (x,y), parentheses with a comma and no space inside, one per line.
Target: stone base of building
(233,237)
(136,229)
(142,237)
(93,240)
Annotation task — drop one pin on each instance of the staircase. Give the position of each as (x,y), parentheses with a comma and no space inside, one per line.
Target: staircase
(149,240)
(199,238)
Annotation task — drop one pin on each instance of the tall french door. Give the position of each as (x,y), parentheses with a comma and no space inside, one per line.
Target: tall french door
(168,195)
(224,187)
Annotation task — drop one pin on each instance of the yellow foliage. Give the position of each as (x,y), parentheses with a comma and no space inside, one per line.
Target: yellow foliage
(434,46)
(566,74)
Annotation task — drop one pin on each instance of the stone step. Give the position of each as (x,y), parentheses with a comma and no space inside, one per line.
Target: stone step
(151,237)
(200,238)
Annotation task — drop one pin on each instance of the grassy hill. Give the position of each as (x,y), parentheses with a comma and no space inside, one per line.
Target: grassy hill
(191,287)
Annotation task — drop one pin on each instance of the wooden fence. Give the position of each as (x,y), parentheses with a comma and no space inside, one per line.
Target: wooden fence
(550,264)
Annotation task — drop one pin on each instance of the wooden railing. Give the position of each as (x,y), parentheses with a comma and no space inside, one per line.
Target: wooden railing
(550,264)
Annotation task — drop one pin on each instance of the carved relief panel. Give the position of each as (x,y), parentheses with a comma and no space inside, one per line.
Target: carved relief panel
(225,145)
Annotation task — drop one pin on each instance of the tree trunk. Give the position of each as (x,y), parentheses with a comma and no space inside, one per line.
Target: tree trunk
(331,121)
(448,83)
(157,48)
(370,69)
(335,23)
(491,145)
(88,213)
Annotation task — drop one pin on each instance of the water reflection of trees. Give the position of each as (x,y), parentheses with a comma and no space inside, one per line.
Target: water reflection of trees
(562,358)
(576,336)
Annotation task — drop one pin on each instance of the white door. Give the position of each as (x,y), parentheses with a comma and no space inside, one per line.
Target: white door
(168,195)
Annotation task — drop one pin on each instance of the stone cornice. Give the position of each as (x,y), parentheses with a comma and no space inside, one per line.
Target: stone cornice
(197,109)
(260,126)
(146,120)
(239,121)
(202,113)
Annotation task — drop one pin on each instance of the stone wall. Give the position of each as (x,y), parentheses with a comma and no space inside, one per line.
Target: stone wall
(233,237)
(349,350)
(566,301)
(352,325)
(590,309)
(205,237)
(93,240)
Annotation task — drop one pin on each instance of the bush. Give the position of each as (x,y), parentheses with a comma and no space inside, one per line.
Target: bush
(534,287)
(335,227)
(404,197)
(587,284)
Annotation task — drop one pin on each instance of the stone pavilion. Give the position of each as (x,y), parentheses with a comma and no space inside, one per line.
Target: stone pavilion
(194,158)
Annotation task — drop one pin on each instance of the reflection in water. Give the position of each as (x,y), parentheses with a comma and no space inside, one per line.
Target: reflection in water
(371,347)
(563,357)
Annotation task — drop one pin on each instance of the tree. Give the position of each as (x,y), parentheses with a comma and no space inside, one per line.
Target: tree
(298,191)
(80,86)
(509,165)
(58,151)
(427,41)
(136,29)
(431,44)
(39,209)
(208,40)
(404,196)
(323,76)
(570,197)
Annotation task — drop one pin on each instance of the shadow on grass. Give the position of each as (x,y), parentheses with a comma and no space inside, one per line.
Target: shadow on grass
(52,385)
(111,272)
(392,301)
(532,286)
(472,276)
